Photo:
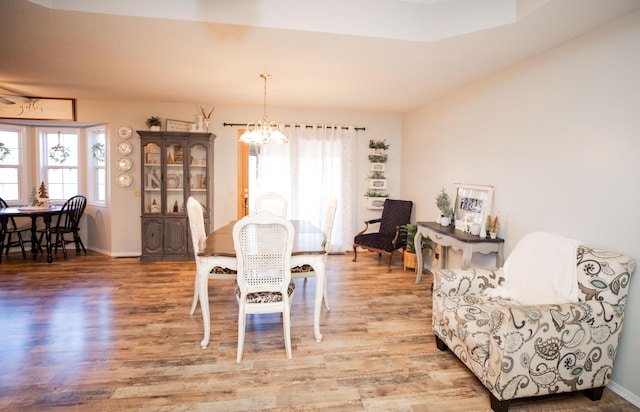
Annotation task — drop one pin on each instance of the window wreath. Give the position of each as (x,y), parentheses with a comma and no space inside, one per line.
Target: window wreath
(59,153)
(97,150)
(4,151)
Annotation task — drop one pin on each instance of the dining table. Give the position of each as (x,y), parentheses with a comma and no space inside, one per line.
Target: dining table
(219,251)
(32,212)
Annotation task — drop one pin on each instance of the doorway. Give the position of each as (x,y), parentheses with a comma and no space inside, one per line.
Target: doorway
(244,151)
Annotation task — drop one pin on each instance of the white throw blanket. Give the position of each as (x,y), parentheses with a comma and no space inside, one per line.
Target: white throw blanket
(541,269)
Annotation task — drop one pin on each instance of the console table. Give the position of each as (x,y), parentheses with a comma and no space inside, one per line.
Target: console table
(448,237)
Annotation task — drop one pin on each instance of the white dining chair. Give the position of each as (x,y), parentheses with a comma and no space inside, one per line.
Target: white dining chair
(263,243)
(327,231)
(272,202)
(195,213)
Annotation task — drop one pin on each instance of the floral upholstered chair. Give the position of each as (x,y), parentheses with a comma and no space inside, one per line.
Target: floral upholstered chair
(522,349)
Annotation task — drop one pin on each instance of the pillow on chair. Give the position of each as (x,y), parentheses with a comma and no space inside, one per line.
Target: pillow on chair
(542,269)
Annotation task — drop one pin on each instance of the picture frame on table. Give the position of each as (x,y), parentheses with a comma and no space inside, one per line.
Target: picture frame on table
(178,126)
(473,204)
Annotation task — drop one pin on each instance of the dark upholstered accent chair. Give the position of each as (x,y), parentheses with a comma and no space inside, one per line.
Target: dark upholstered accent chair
(389,236)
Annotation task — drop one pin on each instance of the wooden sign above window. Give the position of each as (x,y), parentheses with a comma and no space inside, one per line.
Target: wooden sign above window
(40,108)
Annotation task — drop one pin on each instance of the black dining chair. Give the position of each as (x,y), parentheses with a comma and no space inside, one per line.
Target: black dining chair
(14,229)
(68,224)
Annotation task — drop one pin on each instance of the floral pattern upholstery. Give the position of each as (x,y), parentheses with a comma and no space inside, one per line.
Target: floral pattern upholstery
(520,351)
(266,297)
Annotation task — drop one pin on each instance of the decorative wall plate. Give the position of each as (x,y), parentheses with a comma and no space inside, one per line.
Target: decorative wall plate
(124,148)
(124,179)
(124,164)
(124,132)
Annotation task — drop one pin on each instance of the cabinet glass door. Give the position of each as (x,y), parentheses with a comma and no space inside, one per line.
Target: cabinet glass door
(152,178)
(175,179)
(198,174)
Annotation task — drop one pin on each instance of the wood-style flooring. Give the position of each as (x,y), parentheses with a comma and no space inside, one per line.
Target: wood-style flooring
(95,333)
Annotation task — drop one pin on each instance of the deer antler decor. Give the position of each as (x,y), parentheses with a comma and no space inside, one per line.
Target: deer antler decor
(207,116)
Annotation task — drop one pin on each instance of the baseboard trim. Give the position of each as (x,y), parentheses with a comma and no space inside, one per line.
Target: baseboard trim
(622,392)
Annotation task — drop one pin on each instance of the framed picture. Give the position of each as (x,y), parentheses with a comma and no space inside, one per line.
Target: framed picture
(473,204)
(178,126)
(41,108)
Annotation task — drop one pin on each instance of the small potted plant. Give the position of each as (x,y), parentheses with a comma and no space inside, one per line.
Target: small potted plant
(375,199)
(153,123)
(410,258)
(378,158)
(378,147)
(444,205)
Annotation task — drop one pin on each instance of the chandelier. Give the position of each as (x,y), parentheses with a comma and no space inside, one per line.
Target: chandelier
(263,131)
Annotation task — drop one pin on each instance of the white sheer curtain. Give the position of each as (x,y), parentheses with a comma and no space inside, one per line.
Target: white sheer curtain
(319,168)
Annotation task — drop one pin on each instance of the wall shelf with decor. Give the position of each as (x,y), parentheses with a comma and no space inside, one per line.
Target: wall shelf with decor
(377,187)
(176,165)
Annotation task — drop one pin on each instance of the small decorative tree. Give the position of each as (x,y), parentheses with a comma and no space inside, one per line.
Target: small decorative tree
(42,192)
(33,199)
(444,203)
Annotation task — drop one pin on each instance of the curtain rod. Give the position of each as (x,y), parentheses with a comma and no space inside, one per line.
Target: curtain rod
(297,125)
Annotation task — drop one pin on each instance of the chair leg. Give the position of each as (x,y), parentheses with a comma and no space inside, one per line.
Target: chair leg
(325,294)
(595,394)
(286,324)
(24,253)
(440,344)
(389,261)
(355,253)
(38,246)
(78,242)
(498,405)
(241,330)
(194,304)
(64,248)
(20,242)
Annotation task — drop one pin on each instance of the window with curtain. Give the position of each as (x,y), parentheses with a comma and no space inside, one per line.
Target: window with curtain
(315,167)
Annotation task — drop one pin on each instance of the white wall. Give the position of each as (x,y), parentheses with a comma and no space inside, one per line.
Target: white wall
(559,138)
(115,230)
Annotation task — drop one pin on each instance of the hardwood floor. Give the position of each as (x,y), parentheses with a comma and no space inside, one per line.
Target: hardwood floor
(95,333)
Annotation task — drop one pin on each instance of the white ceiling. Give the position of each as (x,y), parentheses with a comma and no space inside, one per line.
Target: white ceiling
(379,55)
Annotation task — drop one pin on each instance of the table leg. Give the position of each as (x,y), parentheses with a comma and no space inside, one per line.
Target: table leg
(47,225)
(500,255)
(466,257)
(203,297)
(34,237)
(417,241)
(3,232)
(445,257)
